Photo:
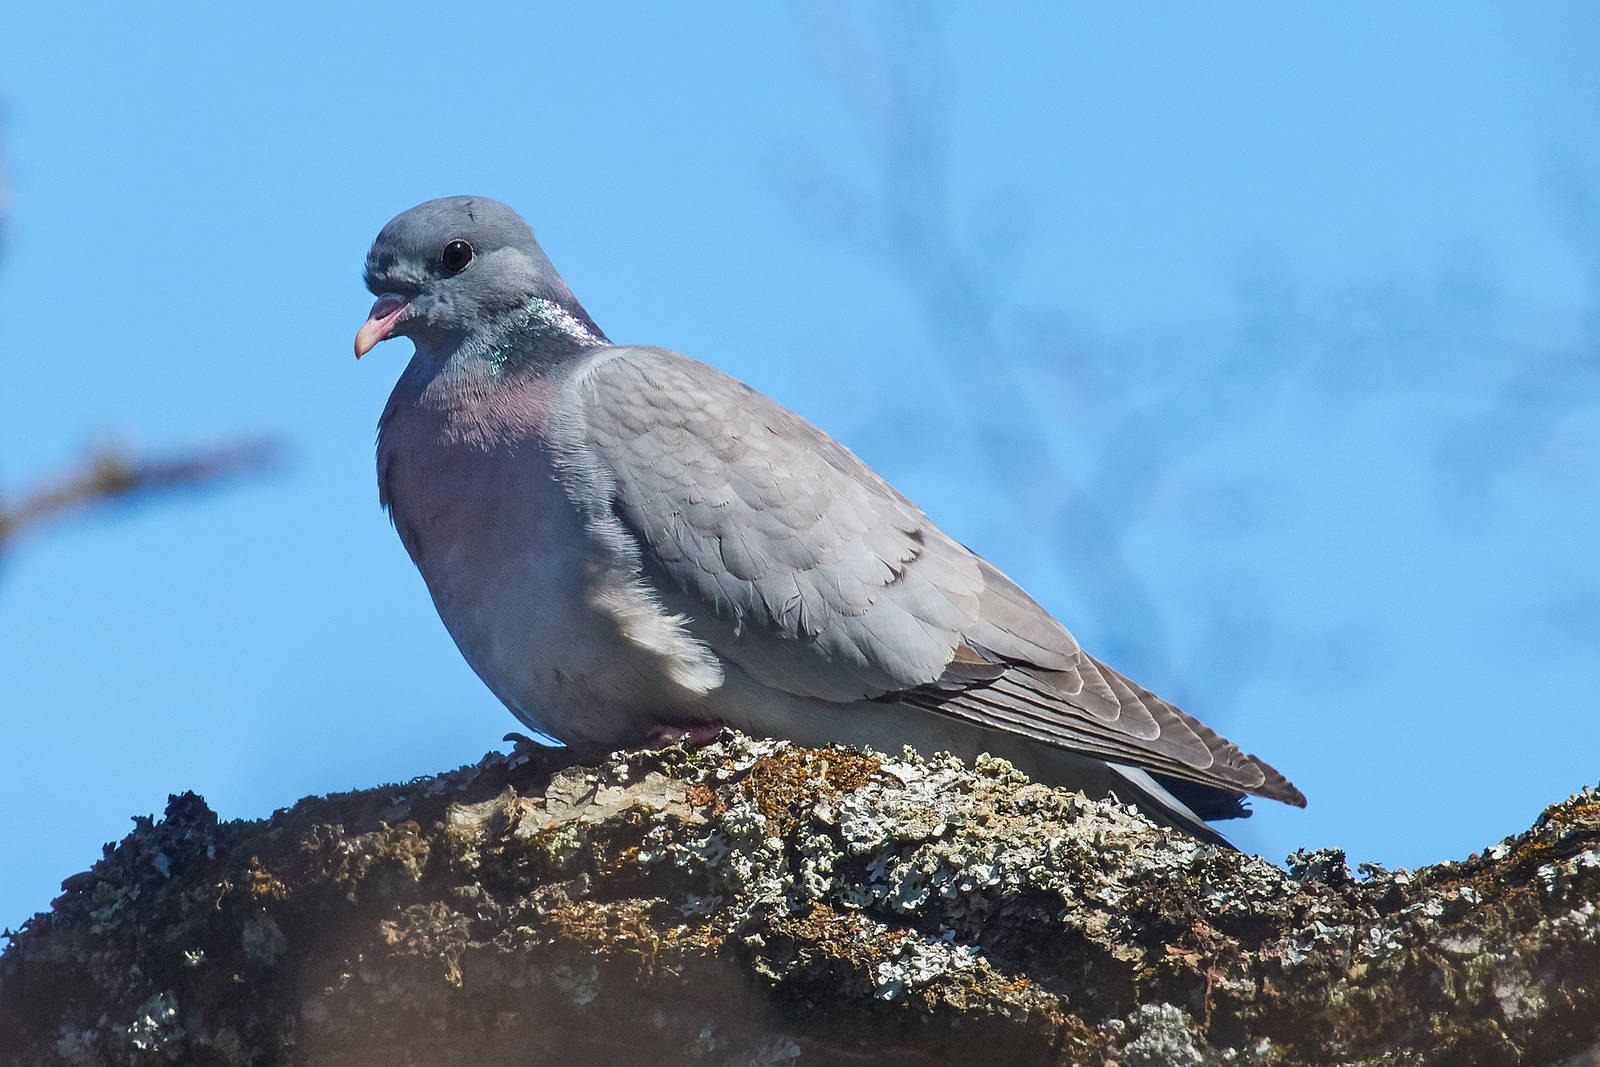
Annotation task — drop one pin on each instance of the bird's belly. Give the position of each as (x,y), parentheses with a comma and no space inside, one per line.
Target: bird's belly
(516,580)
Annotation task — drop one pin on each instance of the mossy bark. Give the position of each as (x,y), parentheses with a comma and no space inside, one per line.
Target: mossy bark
(756,902)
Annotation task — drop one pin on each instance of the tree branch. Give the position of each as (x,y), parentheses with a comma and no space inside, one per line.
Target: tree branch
(757,902)
(112,475)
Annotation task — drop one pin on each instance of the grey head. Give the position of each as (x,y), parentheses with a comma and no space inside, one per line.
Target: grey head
(463,266)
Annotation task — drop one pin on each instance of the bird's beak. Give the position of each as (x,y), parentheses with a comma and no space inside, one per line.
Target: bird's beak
(386,311)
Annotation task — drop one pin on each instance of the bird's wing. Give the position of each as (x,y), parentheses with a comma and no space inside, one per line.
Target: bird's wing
(791,558)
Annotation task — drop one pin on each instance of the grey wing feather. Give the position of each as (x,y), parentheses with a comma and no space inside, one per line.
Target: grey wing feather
(789,556)
(793,559)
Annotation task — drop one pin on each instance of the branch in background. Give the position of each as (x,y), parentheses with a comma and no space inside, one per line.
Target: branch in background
(111,474)
(901,95)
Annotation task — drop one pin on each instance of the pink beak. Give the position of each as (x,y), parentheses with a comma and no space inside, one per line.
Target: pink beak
(386,311)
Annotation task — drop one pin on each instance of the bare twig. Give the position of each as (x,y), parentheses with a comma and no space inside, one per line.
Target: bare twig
(110,474)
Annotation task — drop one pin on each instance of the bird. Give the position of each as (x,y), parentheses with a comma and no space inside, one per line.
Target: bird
(631,547)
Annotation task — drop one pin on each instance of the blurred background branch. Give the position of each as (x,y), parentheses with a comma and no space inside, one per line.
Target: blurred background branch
(115,475)
(1085,442)
(112,475)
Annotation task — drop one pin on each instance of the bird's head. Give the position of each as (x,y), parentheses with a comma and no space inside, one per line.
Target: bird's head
(449,268)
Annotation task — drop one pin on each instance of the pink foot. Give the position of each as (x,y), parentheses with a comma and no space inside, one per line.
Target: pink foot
(688,733)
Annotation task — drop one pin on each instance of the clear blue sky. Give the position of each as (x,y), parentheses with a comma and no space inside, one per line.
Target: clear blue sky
(1261,344)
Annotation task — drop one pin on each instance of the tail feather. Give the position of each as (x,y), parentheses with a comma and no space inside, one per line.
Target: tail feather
(1156,801)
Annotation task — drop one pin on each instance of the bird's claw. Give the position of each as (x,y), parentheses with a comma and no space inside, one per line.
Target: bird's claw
(691,734)
(524,750)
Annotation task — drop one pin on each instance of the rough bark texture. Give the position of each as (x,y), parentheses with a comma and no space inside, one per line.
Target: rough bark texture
(757,903)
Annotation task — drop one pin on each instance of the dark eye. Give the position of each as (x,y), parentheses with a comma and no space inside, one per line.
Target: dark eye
(456,255)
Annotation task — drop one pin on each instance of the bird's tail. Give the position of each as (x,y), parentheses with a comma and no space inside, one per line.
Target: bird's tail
(1157,801)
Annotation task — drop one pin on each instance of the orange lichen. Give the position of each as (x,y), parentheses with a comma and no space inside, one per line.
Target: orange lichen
(784,785)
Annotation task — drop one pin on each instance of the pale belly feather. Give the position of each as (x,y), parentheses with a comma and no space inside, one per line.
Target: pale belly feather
(522,589)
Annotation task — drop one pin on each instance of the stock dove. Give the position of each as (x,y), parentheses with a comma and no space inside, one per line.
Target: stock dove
(628,545)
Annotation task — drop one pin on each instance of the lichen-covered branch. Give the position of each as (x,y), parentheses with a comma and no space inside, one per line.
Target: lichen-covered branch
(755,902)
(108,475)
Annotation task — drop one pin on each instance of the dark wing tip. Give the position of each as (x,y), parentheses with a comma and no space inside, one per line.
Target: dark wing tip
(1275,786)
(1119,720)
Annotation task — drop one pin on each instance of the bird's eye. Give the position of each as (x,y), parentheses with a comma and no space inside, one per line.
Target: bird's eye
(455,257)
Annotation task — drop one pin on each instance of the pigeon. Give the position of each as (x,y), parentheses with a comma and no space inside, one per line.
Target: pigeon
(631,547)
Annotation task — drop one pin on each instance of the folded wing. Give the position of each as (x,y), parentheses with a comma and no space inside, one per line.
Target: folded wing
(793,559)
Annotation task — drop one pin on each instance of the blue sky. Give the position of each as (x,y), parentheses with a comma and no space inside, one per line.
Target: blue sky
(1262,345)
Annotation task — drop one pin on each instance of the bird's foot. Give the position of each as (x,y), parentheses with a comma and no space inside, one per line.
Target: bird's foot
(691,734)
(525,750)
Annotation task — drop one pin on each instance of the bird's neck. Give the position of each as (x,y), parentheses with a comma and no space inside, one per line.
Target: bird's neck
(530,344)
(542,331)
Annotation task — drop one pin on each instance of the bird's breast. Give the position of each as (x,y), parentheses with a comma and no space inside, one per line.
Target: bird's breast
(519,581)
